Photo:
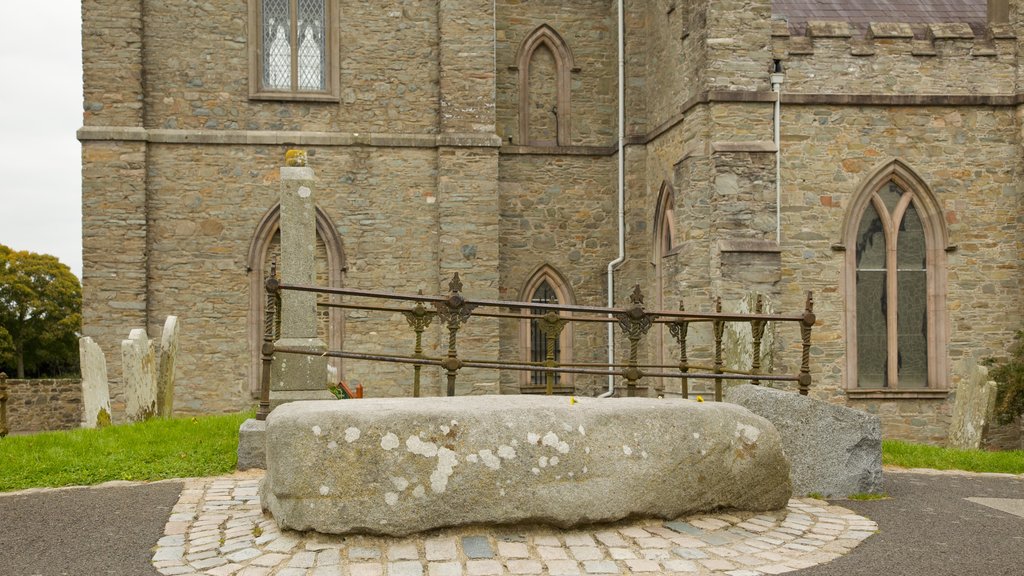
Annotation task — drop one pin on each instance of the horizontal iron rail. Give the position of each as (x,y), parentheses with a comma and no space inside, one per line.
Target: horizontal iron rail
(435,361)
(663,315)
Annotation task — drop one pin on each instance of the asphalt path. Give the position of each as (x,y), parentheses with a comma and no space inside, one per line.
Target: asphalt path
(926,527)
(97,531)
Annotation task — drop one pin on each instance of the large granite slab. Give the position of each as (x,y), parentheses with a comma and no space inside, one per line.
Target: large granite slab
(398,466)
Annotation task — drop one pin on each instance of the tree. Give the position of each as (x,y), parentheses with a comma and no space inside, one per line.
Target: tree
(40,314)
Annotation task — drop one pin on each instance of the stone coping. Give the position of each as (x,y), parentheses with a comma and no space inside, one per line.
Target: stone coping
(218,529)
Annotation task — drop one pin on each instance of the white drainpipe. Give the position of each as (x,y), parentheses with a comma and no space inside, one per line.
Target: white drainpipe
(621,195)
(777,78)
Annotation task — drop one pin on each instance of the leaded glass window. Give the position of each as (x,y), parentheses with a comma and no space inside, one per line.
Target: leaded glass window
(544,294)
(891,292)
(293,46)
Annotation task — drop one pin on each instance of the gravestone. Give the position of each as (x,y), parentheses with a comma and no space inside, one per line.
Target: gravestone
(95,387)
(165,372)
(138,371)
(973,409)
(835,451)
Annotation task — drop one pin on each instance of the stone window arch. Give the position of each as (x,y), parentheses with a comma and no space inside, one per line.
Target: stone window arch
(663,245)
(895,243)
(330,268)
(548,41)
(546,285)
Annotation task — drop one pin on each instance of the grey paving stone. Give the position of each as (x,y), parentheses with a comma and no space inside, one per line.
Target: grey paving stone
(444,569)
(689,553)
(361,553)
(405,568)
(601,567)
(684,528)
(477,547)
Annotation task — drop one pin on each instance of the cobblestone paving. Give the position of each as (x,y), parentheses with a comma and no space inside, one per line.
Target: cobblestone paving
(218,529)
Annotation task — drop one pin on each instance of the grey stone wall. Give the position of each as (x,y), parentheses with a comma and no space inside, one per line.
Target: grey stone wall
(589,29)
(41,405)
(420,181)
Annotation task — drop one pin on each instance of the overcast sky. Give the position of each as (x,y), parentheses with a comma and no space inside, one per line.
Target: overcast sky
(40,110)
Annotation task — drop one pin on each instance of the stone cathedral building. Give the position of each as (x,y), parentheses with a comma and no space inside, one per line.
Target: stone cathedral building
(868,151)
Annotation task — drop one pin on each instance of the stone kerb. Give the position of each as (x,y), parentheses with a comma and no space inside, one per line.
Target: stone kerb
(973,409)
(138,359)
(835,451)
(95,386)
(165,372)
(399,466)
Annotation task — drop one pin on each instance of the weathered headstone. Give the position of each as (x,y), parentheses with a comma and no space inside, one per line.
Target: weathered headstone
(165,372)
(95,387)
(973,409)
(835,451)
(403,465)
(138,371)
(298,377)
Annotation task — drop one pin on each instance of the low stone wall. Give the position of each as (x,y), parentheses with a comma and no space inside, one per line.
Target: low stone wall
(1005,436)
(40,405)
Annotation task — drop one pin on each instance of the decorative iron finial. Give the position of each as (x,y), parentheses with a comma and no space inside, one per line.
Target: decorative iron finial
(456,284)
(637,298)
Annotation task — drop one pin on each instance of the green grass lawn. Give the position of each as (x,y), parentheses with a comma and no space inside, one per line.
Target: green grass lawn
(153,450)
(909,455)
(206,446)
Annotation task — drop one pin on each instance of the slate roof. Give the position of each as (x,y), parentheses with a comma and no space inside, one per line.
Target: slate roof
(861,12)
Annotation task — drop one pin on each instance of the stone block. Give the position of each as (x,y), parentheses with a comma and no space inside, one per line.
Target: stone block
(252,447)
(138,371)
(835,451)
(398,466)
(973,409)
(95,386)
(165,372)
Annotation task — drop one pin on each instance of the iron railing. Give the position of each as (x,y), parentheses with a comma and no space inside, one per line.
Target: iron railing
(454,310)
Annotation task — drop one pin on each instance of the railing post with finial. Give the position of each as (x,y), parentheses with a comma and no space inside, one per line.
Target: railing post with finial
(419,318)
(454,312)
(805,336)
(757,332)
(271,329)
(551,325)
(635,323)
(719,327)
(678,330)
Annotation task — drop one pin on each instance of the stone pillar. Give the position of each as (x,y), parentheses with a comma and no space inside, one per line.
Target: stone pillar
(95,389)
(138,369)
(298,377)
(165,372)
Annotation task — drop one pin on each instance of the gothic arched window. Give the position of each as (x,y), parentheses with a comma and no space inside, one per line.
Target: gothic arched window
(544,63)
(895,242)
(545,286)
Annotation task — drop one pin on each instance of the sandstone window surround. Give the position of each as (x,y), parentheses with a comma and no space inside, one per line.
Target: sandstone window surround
(545,285)
(257,265)
(663,244)
(292,49)
(545,37)
(895,244)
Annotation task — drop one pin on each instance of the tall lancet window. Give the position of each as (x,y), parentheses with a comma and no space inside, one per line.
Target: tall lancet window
(545,286)
(895,302)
